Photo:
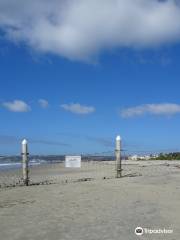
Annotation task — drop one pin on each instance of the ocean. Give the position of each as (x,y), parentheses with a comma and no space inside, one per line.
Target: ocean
(15,165)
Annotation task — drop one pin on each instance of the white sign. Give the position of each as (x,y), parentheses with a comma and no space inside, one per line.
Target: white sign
(73,161)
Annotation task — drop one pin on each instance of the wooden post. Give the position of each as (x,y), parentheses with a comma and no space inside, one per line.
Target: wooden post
(118,157)
(25,162)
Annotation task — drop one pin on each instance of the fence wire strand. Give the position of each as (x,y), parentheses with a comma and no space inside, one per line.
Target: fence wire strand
(93,166)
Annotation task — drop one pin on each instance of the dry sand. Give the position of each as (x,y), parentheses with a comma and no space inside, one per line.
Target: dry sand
(107,209)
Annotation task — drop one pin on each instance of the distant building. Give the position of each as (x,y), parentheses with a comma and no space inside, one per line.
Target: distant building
(133,157)
(138,157)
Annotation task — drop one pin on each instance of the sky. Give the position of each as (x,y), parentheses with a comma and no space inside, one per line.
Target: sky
(75,74)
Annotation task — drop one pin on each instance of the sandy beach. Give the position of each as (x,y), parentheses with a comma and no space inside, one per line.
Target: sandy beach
(146,196)
(90,120)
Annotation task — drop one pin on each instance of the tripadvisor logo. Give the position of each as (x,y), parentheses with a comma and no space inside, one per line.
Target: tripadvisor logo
(139,231)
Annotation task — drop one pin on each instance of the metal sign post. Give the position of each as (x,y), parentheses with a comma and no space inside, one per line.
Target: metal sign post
(25,162)
(118,157)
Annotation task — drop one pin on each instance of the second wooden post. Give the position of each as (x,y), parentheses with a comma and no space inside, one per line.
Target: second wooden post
(118,157)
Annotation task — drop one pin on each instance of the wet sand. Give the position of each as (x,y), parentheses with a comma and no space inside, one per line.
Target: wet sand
(148,196)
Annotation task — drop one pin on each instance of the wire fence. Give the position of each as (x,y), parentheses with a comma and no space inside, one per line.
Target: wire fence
(58,173)
(11,177)
(54,170)
(37,170)
(51,171)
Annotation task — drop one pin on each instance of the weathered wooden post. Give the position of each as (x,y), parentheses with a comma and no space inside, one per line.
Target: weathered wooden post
(118,157)
(25,162)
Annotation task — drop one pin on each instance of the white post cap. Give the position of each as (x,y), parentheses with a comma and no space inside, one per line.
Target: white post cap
(118,138)
(24,142)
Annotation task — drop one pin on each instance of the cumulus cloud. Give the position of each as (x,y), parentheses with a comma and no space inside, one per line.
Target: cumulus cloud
(156,109)
(78,108)
(43,103)
(16,106)
(78,29)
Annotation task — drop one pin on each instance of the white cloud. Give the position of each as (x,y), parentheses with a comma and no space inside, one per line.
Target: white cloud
(77,108)
(43,103)
(80,29)
(16,106)
(156,109)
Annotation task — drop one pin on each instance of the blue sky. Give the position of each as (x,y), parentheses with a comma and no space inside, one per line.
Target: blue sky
(71,102)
